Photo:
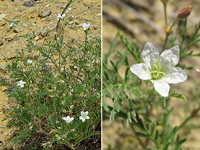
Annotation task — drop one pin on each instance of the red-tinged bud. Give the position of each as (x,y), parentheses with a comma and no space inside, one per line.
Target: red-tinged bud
(185,12)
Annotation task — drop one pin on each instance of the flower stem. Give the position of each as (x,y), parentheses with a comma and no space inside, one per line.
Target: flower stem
(165,11)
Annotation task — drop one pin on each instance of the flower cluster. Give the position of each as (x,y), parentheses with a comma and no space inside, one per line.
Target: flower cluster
(160,70)
(83,117)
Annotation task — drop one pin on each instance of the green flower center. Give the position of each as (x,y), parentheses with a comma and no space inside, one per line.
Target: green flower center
(157,73)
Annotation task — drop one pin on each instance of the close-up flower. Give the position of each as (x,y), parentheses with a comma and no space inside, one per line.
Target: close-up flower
(160,70)
(21,83)
(85,26)
(61,17)
(68,119)
(29,61)
(84,115)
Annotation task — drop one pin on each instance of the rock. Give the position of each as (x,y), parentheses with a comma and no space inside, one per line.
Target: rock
(44,32)
(10,37)
(2,16)
(45,14)
(29,4)
(46,19)
(72,27)
(96,27)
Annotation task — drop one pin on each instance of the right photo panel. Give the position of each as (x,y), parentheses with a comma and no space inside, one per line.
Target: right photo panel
(151,75)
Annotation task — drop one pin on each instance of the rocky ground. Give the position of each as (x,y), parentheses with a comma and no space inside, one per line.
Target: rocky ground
(134,25)
(39,16)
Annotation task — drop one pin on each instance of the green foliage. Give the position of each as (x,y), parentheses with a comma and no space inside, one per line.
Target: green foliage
(133,103)
(62,80)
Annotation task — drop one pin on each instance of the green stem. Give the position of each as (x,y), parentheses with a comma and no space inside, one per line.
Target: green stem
(165,11)
(166,39)
(167,35)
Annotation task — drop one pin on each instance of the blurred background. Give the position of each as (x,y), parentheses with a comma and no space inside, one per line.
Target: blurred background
(144,21)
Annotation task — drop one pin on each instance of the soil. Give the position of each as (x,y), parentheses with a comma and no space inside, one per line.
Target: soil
(117,18)
(39,17)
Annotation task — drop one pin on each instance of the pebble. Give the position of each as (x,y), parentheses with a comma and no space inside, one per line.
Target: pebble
(72,27)
(10,37)
(29,4)
(45,14)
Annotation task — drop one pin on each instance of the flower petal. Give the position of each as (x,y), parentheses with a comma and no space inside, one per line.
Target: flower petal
(169,58)
(150,55)
(82,113)
(141,71)
(86,113)
(162,87)
(175,75)
(87,117)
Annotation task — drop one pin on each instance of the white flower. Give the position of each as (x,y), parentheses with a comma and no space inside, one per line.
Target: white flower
(12,24)
(85,26)
(68,119)
(29,61)
(61,17)
(84,116)
(21,83)
(160,70)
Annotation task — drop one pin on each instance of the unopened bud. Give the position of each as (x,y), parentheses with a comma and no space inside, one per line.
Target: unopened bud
(185,12)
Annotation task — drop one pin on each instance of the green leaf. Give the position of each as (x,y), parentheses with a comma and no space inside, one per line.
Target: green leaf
(115,105)
(112,116)
(141,134)
(114,66)
(105,106)
(106,75)
(153,148)
(156,136)
(178,95)
(139,121)
(129,117)
(153,125)
(124,94)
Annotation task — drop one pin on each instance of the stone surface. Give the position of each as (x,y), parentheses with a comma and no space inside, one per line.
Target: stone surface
(29,4)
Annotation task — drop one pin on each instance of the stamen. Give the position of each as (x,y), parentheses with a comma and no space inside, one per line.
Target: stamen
(156,74)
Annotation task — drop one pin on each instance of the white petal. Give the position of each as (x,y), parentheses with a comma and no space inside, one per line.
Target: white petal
(162,88)
(175,75)
(86,113)
(87,117)
(82,113)
(169,58)
(150,55)
(141,71)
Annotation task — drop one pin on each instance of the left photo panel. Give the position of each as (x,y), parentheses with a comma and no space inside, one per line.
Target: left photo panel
(50,75)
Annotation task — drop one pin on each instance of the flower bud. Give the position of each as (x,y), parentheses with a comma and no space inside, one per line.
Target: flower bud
(185,12)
